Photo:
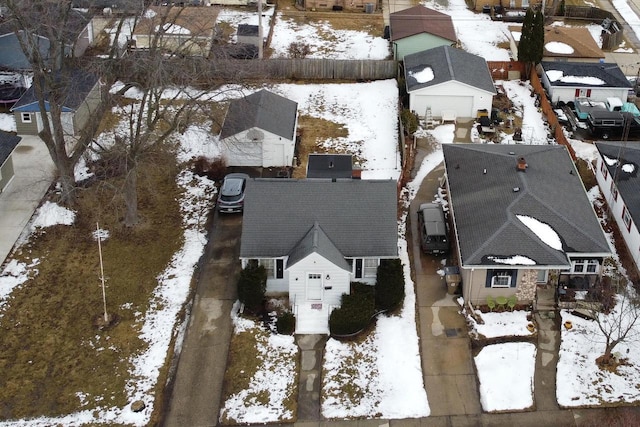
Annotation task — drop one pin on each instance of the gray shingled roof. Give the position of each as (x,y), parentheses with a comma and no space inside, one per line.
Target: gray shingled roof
(609,73)
(627,181)
(485,205)
(418,20)
(448,63)
(264,110)
(358,216)
(317,241)
(329,166)
(8,143)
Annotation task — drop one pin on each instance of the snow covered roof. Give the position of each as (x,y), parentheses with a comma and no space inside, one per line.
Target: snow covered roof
(447,63)
(625,169)
(178,21)
(419,19)
(579,39)
(584,74)
(264,110)
(521,218)
(358,216)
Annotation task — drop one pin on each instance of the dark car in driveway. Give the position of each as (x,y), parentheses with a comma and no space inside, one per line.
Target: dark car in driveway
(231,198)
(434,232)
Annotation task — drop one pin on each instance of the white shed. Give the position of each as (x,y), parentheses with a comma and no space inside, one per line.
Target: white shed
(260,130)
(446,79)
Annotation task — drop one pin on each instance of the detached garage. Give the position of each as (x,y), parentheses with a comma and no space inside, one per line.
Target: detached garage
(448,82)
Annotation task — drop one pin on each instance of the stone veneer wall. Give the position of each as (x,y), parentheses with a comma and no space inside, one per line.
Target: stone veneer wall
(527,286)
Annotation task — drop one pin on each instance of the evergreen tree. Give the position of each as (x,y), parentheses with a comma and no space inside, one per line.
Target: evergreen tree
(537,38)
(524,45)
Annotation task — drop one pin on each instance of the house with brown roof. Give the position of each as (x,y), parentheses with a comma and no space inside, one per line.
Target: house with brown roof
(419,28)
(183,30)
(574,44)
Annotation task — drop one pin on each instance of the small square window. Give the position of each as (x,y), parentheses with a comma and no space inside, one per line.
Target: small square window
(26,117)
(502,279)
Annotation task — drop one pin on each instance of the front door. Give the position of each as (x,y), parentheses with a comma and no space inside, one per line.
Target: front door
(314,287)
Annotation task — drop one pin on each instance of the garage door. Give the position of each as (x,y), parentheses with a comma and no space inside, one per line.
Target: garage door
(462,105)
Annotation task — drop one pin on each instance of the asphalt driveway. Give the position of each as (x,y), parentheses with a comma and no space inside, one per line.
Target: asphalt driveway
(195,394)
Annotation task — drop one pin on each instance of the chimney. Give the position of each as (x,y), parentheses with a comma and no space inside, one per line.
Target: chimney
(521,166)
(356,172)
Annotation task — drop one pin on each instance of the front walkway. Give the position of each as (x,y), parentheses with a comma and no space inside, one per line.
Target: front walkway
(33,175)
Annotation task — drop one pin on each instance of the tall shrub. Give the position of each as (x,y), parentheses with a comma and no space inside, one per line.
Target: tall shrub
(252,285)
(355,311)
(389,284)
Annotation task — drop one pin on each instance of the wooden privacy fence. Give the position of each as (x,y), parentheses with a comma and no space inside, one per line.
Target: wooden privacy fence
(306,69)
(500,70)
(612,35)
(547,110)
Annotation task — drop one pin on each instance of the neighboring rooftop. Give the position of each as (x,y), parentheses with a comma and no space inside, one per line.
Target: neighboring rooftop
(419,19)
(76,85)
(448,63)
(359,217)
(487,195)
(264,110)
(608,74)
(178,21)
(8,143)
(622,160)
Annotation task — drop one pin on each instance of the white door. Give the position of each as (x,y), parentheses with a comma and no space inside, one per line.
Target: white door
(314,287)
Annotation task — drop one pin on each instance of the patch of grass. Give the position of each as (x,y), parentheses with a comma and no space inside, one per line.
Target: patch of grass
(50,349)
(372,24)
(242,362)
(314,131)
(250,353)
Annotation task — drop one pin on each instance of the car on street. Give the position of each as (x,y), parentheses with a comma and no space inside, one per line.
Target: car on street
(231,198)
(434,232)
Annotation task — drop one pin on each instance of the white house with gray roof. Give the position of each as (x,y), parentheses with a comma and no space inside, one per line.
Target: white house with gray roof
(316,236)
(617,176)
(260,130)
(521,218)
(565,81)
(448,80)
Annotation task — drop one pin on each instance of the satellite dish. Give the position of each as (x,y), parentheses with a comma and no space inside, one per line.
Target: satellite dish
(255,135)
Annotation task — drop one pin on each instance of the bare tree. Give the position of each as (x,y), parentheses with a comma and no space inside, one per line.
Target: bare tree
(165,71)
(616,311)
(42,30)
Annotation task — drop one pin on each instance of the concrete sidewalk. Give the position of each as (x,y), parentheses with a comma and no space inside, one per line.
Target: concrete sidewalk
(33,174)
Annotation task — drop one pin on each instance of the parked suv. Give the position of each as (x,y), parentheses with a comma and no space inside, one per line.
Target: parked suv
(434,232)
(231,198)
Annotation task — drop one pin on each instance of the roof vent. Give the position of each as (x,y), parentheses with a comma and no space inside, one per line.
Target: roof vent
(521,166)
(516,189)
(484,171)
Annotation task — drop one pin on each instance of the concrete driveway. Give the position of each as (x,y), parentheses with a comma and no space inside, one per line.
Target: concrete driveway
(33,175)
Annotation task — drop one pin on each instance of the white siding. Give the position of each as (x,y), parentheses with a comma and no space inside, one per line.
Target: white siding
(271,150)
(335,281)
(465,100)
(631,236)
(567,94)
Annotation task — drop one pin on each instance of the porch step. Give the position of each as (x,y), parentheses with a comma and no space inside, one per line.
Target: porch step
(312,319)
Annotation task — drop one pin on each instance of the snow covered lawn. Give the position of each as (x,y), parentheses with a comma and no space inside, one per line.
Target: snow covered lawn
(275,377)
(505,373)
(505,324)
(580,381)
